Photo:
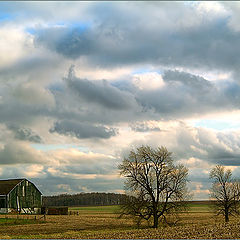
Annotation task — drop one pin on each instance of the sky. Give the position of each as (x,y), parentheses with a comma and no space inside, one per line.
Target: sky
(83,83)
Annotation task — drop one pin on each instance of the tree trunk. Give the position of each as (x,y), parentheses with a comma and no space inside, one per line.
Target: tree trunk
(226,215)
(155,220)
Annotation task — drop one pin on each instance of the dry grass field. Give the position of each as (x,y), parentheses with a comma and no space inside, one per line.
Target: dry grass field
(102,223)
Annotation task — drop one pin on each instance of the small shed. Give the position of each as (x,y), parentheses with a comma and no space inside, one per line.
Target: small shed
(19,195)
(55,210)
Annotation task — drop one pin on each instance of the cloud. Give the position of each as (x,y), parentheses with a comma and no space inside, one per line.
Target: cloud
(186,94)
(19,153)
(148,80)
(79,170)
(25,134)
(100,92)
(82,130)
(144,127)
(202,144)
(132,40)
(189,80)
(14,44)
(49,185)
(70,42)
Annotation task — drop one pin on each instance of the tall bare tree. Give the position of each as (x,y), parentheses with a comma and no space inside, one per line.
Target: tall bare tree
(156,185)
(225,191)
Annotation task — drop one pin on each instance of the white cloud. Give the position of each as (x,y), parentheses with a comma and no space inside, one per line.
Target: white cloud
(34,171)
(234,9)
(148,80)
(14,45)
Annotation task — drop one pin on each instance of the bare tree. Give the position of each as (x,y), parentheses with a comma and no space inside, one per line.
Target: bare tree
(225,191)
(156,185)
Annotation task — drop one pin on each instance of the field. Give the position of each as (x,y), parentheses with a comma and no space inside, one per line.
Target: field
(102,222)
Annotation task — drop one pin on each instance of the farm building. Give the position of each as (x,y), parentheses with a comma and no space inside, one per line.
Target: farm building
(19,195)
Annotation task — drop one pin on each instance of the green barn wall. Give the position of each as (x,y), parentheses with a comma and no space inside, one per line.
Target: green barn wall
(28,195)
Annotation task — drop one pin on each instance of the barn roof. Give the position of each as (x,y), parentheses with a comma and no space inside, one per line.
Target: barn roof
(7,185)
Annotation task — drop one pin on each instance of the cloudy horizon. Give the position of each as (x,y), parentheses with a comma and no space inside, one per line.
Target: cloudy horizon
(82,83)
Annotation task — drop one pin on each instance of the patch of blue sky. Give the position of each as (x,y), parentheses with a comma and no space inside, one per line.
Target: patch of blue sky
(31,30)
(79,26)
(49,147)
(56,87)
(145,70)
(60,24)
(217,124)
(6,17)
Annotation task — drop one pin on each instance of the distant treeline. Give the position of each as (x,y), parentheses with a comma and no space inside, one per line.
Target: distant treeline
(84,199)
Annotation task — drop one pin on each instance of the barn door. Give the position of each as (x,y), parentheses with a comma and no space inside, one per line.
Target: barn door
(2,202)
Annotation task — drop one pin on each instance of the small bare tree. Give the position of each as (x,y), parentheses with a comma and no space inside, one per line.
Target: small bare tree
(225,191)
(157,187)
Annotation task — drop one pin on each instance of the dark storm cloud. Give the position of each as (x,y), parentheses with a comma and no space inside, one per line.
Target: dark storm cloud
(25,134)
(100,92)
(70,42)
(116,42)
(184,94)
(82,130)
(189,80)
(102,102)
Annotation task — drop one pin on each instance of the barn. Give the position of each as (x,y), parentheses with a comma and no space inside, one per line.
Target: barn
(19,195)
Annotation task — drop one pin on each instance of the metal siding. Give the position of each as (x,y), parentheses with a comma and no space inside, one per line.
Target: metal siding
(31,198)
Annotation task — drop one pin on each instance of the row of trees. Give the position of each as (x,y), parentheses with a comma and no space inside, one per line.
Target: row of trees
(157,188)
(84,199)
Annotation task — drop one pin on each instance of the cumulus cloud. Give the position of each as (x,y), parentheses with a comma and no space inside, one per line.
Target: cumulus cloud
(148,80)
(192,81)
(25,134)
(117,42)
(19,153)
(49,185)
(144,127)
(15,44)
(80,170)
(71,43)
(82,130)
(199,145)
(100,92)
(185,94)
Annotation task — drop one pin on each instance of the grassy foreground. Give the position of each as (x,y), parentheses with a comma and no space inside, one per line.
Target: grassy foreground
(102,223)
(14,221)
(192,207)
